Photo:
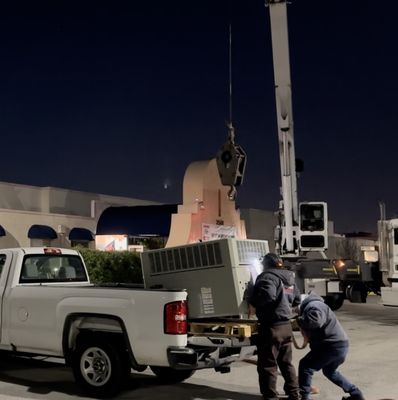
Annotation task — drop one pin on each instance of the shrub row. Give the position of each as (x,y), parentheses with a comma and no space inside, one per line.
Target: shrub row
(107,267)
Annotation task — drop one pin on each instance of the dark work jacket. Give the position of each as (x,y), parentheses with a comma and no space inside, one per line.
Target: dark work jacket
(319,323)
(273,295)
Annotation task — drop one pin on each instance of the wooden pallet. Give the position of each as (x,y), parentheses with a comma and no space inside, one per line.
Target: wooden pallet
(223,329)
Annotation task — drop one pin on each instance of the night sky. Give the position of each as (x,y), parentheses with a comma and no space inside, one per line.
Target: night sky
(119,97)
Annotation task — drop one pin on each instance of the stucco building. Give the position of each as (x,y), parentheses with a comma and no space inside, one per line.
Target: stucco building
(37,216)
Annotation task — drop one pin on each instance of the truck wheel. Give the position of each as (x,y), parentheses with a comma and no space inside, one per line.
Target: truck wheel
(356,292)
(334,301)
(171,375)
(100,367)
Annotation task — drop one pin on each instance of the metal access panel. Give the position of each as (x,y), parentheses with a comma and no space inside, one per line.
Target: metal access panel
(215,274)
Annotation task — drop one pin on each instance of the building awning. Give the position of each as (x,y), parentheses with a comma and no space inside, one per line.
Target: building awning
(2,231)
(81,235)
(152,220)
(41,232)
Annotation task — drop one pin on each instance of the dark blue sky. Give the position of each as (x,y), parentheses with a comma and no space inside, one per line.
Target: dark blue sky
(119,97)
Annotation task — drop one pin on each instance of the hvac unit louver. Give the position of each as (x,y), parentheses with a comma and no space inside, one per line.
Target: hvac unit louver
(215,274)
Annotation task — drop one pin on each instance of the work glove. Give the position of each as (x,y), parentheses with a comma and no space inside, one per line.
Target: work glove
(296,310)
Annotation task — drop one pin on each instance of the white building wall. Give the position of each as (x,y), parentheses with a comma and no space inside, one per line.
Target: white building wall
(22,206)
(21,197)
(17,224)
(73,202)
(58,200)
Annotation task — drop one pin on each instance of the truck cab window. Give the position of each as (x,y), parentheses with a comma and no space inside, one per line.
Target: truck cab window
(46,269)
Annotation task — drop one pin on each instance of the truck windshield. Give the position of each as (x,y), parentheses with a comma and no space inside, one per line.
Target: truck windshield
(44,268)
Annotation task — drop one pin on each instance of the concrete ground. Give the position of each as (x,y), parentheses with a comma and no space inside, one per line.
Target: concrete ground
(372,365)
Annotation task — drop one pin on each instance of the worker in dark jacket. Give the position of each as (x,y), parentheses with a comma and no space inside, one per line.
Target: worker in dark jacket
(329,347)
(273,296)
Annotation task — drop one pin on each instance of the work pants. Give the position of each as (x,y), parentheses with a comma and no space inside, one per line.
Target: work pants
(327,357)
(274,349)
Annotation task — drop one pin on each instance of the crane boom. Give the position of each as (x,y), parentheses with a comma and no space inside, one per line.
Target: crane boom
(281,63)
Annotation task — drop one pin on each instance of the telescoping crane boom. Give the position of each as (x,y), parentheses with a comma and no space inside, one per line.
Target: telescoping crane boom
(302,227)
(284,109)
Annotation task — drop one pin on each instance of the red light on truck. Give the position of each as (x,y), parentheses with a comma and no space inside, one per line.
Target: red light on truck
(175,318)
(51,250)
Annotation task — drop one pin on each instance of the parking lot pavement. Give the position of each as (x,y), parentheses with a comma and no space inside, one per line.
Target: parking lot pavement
(372,364)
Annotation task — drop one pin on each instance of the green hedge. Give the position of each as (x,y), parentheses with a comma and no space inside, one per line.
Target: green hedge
(118,266)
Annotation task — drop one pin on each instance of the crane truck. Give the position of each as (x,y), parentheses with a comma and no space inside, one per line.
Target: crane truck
(302,232)
(303,227)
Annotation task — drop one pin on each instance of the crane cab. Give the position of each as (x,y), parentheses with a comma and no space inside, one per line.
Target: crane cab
(313,226)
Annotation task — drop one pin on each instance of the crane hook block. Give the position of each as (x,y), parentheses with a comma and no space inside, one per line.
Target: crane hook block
(232,193)
(231,163)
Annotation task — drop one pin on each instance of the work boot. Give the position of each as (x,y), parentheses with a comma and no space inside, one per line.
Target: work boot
(314,390)
(356,396)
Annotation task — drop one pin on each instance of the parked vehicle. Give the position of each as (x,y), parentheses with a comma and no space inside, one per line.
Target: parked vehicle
(49,307)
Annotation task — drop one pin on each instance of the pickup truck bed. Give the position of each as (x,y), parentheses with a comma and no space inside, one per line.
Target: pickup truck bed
(49,307)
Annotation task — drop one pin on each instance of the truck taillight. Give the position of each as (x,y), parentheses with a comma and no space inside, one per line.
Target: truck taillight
(175,318)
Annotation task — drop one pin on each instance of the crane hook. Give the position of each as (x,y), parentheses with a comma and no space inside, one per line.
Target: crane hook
(232,193)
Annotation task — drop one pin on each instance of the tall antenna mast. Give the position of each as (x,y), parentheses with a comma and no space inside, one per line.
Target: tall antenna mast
(230,123)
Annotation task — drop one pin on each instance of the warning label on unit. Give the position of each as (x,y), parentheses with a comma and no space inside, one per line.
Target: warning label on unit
(207,300)
(213,232)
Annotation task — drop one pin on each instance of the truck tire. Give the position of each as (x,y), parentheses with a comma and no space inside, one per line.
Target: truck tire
(171,375)
(99,366)
(334,301)
(356,292)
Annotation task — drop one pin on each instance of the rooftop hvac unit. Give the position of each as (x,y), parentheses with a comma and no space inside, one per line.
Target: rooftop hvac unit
(215,274)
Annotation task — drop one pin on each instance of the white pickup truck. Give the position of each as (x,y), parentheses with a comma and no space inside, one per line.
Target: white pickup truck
(49,307)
